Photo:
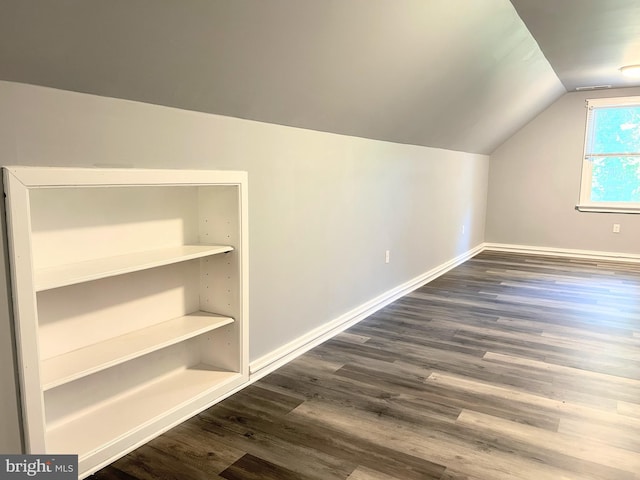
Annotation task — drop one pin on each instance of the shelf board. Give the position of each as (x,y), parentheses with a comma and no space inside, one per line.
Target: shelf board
(64,275)
(91,431)
(84,361)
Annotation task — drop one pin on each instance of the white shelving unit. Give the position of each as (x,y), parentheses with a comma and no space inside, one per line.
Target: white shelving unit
(130,302)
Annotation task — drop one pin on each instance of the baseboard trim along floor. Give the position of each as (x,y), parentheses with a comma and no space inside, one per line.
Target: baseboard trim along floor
(282,355)
(562,252)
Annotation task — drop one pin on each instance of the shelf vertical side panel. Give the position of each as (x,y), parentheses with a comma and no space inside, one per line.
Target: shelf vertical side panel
(24,311)
(221,278)
(218,294)
(243,209)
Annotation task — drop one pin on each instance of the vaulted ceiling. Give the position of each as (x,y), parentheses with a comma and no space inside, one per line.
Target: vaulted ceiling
(456,74)
(586,41)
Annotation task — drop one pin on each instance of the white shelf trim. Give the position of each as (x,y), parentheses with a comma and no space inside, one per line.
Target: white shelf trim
(85,361)
(46,177)
(71,274)
(89,433)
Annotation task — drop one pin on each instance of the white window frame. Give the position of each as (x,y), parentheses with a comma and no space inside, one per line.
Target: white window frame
(585,204)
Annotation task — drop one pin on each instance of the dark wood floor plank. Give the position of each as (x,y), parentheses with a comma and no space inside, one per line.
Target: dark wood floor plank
(621,436)
(255,435)
(149,463)
(112,473)
(346,449)
(509,366)
(582,455)
(443,444)
(364,473)
(254,468)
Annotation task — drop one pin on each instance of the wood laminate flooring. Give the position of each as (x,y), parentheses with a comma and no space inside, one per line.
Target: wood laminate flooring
(507,367)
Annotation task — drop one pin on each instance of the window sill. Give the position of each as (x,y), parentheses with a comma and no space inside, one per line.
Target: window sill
(607,209)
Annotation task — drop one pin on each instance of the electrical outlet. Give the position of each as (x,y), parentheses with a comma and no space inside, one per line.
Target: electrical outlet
(616,228)
(386,256)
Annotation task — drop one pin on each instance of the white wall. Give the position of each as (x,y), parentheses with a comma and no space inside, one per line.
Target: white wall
(534,184)
(10,428)
(323,208)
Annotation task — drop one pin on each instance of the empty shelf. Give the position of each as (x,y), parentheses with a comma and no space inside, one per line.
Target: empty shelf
(63,275)
(76,364)
(97,428)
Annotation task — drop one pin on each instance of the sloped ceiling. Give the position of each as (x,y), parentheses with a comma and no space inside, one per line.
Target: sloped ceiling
(456,74)
(586,41)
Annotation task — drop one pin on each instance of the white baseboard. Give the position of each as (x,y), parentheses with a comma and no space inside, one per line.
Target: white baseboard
(563,252)
(282,355)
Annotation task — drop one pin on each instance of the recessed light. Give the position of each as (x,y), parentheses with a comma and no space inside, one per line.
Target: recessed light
(631,70)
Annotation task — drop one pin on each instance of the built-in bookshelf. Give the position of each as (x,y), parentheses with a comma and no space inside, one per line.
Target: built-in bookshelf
(130,302)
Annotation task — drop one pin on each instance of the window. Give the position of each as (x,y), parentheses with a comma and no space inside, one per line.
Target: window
(611,165)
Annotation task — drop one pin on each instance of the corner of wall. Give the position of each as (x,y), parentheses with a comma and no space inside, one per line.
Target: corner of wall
(10,424)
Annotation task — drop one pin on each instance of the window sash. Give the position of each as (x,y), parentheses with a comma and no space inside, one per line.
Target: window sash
(585,203)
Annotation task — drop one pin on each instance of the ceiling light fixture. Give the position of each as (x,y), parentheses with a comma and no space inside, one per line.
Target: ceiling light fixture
(631,70)
(592,87)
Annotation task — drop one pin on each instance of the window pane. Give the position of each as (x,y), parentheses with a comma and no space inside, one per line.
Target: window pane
(615,179)
(615,130)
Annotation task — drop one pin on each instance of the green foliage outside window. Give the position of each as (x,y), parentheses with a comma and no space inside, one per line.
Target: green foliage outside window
(614,150)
